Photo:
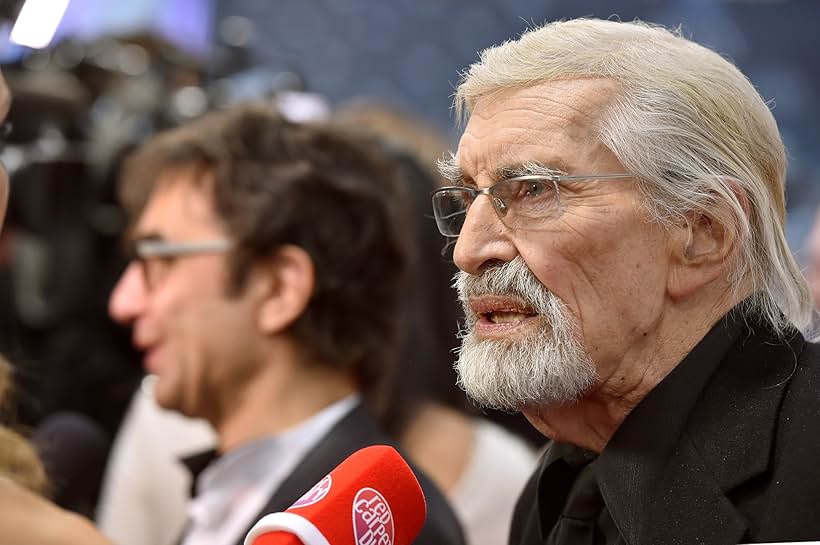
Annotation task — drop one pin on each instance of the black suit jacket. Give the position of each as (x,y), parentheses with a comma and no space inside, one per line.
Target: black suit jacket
(744,467)
(357,430)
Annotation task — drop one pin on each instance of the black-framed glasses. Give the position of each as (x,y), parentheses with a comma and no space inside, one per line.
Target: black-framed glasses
(522,202)
(156,256)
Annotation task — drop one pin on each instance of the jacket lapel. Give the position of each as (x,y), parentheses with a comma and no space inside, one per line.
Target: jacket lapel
(356,430)
(683,494)
(688,506)
(667,497)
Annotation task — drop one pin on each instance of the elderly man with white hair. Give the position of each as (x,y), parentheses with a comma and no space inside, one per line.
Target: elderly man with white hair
(618,202)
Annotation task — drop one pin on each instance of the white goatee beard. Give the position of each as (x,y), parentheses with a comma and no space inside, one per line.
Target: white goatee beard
(549,367)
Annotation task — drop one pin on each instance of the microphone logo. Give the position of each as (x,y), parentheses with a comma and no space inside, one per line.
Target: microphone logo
(315,494)
(372,518)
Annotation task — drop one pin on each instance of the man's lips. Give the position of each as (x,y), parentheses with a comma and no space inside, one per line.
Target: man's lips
(498,315)
(150,353)
(147,340)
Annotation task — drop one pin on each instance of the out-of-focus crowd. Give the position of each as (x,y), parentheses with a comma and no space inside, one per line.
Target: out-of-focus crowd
(214,286)
(79,110)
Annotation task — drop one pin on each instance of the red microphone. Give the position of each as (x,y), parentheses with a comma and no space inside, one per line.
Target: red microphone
(371,498)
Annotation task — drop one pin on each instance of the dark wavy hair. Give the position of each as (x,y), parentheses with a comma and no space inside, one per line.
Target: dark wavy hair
(323,189)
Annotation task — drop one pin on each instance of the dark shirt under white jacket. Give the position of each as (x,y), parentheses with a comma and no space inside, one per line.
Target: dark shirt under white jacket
(726,449)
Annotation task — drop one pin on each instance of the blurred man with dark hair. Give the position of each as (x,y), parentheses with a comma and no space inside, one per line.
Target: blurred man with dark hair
(264,290)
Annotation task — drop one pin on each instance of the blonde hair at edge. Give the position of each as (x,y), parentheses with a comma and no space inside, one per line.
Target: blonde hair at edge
(18,458)
(690,126)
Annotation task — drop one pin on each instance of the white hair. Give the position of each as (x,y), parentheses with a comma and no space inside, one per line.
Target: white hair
(551,366)
(691,127)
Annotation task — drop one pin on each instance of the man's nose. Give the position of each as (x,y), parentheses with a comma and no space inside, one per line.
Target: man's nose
(127,300)
(483,239)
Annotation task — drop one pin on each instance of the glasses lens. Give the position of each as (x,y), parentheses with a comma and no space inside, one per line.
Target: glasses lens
(450,207)
(527,202)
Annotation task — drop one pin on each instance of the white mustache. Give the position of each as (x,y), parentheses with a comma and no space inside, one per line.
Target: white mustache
(511,279)
(548,366)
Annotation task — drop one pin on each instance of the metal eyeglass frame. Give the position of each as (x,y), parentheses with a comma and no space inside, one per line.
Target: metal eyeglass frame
(500,206)
(151,248)
(148,249)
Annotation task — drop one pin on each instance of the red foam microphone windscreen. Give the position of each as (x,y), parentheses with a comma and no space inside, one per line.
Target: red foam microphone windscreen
(371,498)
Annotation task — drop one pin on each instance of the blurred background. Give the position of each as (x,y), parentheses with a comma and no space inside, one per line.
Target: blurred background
(117,71)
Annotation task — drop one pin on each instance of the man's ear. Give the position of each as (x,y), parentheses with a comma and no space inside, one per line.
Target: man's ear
(704,245)
(292,278)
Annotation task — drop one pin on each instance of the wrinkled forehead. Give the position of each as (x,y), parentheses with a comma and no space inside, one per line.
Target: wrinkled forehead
(555,123)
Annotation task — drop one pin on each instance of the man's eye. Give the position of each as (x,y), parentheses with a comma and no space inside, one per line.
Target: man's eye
(534,189)
(524,190)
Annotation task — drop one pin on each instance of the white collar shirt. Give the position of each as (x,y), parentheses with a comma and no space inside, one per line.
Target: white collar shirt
(232,491)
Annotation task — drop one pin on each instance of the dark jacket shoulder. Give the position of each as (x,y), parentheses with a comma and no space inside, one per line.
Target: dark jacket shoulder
(359,429)
(744,468)
(791,506)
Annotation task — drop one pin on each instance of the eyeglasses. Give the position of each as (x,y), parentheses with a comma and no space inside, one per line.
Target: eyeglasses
(157,256)
(523,202)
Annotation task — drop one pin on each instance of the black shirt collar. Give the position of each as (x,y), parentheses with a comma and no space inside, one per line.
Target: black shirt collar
(649,434)
(666,408)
